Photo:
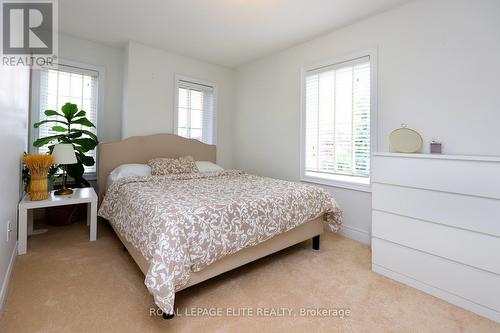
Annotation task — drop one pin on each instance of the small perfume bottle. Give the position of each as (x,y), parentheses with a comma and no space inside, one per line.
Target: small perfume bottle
(436,147)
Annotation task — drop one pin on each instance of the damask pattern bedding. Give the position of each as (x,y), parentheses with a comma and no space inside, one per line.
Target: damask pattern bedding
(183,223)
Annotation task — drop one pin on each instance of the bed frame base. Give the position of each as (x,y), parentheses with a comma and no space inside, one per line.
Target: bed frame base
(315,240)
(315,246)
(309,230)
(168,316)
(299,234)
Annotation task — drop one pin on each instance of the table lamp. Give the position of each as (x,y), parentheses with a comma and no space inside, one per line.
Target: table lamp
(64,154)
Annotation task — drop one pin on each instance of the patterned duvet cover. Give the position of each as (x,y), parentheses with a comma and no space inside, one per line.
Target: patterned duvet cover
(183,223)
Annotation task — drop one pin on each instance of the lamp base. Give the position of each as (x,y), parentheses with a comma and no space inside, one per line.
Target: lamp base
(63,191)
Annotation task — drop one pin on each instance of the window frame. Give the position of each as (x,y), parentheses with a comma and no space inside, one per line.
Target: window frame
(178,78)
(35,106)
(331,181)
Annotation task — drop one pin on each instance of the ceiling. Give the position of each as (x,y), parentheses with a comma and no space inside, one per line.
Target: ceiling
(224,32)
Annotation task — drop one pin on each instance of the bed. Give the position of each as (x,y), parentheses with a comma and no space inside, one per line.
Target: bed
(184,229)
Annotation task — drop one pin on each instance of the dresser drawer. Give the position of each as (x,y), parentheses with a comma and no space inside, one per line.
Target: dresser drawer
(466,282)
(467,247)
(479,178)
(461,211)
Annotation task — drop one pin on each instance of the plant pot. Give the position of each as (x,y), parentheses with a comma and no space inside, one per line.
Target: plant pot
(39,189)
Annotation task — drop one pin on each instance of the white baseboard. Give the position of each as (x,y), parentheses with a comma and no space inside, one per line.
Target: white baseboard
(355,234)
(6,280)
(439,293)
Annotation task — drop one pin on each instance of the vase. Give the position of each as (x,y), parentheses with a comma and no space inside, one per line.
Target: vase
(39,188)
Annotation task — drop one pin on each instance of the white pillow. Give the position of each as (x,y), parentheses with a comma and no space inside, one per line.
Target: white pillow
(206,166)
(128,170)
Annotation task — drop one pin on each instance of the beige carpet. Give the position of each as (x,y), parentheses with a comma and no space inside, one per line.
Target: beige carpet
(67,284)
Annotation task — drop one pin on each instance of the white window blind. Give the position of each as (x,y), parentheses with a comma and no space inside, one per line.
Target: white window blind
(337,121)
(195,111)
(68,84)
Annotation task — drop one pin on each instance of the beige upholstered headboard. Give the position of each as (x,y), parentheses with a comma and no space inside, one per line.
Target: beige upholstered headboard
(140,149)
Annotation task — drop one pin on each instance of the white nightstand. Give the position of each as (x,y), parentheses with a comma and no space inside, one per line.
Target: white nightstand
(80,195)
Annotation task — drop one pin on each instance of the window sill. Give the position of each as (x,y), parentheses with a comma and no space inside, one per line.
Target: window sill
(350,185)
(92,176)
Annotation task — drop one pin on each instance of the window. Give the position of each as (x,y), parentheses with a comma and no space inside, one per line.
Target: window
(336,128)
(53,87)
(195,114)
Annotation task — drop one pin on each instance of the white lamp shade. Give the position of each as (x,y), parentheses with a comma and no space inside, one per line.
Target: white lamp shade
(64,153)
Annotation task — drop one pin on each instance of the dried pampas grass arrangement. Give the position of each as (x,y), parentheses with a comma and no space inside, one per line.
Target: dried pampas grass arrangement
(38,165)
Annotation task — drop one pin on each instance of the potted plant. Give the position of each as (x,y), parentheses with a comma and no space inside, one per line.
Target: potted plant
(83,140)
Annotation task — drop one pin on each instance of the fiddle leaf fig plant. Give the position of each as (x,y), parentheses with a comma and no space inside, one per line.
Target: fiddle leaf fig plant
(68,124)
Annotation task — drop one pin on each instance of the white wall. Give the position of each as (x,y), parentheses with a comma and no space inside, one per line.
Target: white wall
(111,58)
(438,72)
(149,91)
(14,106)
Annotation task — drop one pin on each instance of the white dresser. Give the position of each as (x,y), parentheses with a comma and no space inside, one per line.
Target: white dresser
(436,226)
